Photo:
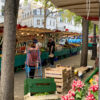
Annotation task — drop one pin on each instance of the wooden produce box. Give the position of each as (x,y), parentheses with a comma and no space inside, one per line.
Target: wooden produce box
(54,73)
(44,97)
(60,76)
(68,69)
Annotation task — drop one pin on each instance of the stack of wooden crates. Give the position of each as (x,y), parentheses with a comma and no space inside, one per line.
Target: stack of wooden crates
(61,76)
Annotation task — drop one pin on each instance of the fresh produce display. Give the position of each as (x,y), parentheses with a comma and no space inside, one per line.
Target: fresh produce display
(42,49)
(81,91)
(74,45)
(67,46)
(58,47)
(41,94)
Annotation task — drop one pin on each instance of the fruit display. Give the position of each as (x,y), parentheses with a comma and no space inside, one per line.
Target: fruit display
(42,49)
(58,47)
(75,45)
(41,94)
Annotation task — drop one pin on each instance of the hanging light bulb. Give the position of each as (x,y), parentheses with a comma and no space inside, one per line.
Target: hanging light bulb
(28,33)
(42,35)
(22,33)
(37,34)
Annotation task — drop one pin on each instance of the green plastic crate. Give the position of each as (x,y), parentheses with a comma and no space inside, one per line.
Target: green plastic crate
(39,85)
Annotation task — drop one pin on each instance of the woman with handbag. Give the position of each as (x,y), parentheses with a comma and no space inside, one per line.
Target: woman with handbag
(51,47)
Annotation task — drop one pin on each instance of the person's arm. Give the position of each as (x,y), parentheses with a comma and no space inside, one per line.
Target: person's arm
(51,49)
(52,46)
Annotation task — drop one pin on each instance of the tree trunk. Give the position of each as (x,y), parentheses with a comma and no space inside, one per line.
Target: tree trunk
(84,54)
(56,23)
(45,15)
(99,52)
(8,54)
(94,49)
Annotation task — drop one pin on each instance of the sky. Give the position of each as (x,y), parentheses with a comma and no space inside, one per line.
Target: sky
(21,0)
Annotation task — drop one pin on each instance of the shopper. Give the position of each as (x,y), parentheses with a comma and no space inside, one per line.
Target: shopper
(51,47)
(32,58)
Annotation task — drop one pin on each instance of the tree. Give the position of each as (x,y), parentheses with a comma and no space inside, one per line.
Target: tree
(8,53)
(84,54)
(94,49)
(47,4)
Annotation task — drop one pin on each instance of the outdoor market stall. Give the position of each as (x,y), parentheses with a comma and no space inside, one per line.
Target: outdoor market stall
(26,34)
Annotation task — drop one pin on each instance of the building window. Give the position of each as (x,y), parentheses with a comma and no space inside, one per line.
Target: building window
(38,11)
(64,27)
(30,12)
(53,23)
(61,20)
(2,10)
(34,12)
(27,14)
(42,22)
(38,22)
(42,11)
(50,22)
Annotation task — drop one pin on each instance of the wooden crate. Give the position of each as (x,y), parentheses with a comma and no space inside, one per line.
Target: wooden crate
(54,73)
(45,97)
(61,86)
(60,76)
(68,69)
(61,89)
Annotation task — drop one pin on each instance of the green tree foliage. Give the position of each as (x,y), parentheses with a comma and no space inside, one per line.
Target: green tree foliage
(46,3)
(90,27)
(25,2)
(97,29)
(71,16)
(77,20)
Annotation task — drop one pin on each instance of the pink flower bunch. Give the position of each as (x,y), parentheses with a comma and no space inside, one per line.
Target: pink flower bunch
(94,88)
(77,85)
(71,92)
(90,97)
(69,96)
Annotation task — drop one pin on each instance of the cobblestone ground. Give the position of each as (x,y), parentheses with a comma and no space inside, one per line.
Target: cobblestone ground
(20,76)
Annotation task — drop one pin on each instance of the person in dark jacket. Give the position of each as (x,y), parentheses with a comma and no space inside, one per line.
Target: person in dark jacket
(51,47)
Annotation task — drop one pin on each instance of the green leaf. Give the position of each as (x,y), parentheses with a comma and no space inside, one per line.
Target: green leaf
(25,2)
(78,96)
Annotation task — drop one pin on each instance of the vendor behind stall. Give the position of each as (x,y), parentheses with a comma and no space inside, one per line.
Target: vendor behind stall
(51,47)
